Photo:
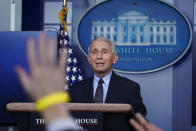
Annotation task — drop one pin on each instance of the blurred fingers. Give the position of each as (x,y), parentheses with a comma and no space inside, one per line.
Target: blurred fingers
(51,52)
(142,120)
(32,59)
(42,48)
(146,126)
(23,78)
(136,125)
(63,60)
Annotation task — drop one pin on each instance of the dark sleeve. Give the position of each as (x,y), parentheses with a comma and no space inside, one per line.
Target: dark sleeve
(73,94)
(137,102)
(76,94)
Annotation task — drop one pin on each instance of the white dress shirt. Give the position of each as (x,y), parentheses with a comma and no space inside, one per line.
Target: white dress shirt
(105,85)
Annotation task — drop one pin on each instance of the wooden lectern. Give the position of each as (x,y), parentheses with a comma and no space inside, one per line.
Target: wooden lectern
(22,112)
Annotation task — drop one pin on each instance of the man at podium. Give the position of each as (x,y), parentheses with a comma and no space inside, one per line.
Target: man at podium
(105,86)
(45,74)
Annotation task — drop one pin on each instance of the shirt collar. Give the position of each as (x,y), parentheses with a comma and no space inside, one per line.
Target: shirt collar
(106,78)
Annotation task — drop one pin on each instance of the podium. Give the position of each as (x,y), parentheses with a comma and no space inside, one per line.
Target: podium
(23,112)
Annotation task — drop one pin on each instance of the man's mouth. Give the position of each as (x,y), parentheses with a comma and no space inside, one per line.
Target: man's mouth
(99,63)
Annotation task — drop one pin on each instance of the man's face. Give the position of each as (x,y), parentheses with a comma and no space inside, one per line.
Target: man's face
(101,58)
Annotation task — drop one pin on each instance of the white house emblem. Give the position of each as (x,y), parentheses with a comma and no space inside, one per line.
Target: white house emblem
(149,35)
(134,28)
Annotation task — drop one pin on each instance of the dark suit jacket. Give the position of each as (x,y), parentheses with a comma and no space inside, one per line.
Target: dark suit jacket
(120,90)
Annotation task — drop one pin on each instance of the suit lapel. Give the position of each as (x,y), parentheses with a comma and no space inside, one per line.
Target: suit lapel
(112,89)
(89,90)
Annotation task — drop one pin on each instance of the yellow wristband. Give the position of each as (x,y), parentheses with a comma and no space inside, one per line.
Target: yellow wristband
(51,100)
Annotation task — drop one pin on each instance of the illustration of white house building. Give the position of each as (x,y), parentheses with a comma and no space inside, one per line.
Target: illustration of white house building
(134,28)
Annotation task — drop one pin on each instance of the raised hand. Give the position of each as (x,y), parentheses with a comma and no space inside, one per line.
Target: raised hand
(46,75)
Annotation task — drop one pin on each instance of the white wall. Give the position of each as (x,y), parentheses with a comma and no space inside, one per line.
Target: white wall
(5,15)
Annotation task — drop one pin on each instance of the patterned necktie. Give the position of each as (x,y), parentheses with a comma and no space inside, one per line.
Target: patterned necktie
(99,92)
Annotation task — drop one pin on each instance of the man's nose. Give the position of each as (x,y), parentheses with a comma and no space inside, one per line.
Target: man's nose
(99,55)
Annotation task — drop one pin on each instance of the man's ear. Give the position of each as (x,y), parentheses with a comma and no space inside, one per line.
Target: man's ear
(115,58)
(89,59)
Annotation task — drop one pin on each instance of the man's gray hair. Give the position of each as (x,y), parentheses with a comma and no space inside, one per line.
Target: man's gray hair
(103,39)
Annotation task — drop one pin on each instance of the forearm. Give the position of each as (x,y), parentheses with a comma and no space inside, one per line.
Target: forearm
(59,119)
(55,112)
